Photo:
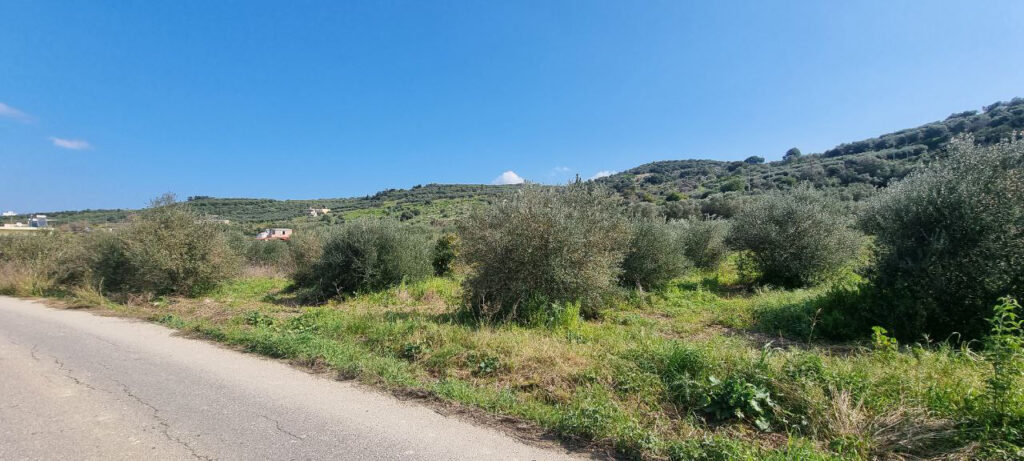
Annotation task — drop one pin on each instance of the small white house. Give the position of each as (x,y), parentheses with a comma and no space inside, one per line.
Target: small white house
(275,233)
(314,212)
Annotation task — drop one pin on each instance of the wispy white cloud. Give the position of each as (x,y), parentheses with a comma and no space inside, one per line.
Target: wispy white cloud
(73,144)
(10,112)
(602,174)
(508,177)
(559,172)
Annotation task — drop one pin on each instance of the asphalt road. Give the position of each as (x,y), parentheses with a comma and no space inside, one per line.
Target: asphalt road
(74,385)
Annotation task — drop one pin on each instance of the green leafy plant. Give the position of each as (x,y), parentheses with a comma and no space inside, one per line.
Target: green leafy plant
(445,252)
(258,319)
(413,350)
(485,365)
(1004,349)
(737,398)
(881,340)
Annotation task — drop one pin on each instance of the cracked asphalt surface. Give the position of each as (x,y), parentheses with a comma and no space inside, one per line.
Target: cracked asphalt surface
(74,385)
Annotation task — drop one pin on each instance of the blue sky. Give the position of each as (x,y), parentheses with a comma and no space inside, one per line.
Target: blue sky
(108,104)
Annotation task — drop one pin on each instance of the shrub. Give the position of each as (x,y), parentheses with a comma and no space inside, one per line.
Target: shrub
(170,250)
(681,209)
(704,242)
(36,264)
(723,205)
(645,210)
(950,242)
(306,249)
(366,255)
(444,254)
(1004,349)
(542,246)
(269,253)
(733,185)
(795,239)
(655,255)
(108,262)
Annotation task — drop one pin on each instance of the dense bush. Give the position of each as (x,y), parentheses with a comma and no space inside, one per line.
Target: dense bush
(704,241)
(681,210)
(950,242)
(541,246)
(165,249)
(269,253)
(444,253)
(723,205)
(795,239)
(169,249)
(655,254)
(35,264)
(366,255)
(108,263)
(306,248)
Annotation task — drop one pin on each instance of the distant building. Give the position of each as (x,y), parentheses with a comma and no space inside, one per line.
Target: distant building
(18,226)
(275,233)
(38,221)
(314,212)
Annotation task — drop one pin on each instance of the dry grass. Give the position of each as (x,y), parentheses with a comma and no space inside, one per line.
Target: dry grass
(901,432)
(23,280)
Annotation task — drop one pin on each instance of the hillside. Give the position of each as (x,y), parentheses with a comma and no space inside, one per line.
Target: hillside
(851,170)
(438,201)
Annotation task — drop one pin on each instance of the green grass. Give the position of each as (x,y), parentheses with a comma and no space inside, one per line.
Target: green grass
(691,372)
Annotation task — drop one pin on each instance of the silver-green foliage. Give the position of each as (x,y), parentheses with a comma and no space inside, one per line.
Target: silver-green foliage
(169,249)
(540,246)
(705,241)
(950,241)
(655,254)
(57,256)
(366,255)
(796,238)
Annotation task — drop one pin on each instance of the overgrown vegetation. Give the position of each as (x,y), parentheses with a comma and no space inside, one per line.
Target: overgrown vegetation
(950,242)
(705,241)
(168,249)
(365,255)
(796,239)
(541,248)
(165,249)
(683,330)
(655,254)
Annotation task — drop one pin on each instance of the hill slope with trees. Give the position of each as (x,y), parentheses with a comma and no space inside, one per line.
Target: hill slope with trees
(857,168)
(675,188)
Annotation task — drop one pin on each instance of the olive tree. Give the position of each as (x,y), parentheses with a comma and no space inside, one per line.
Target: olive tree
(542,245)
(797,238)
